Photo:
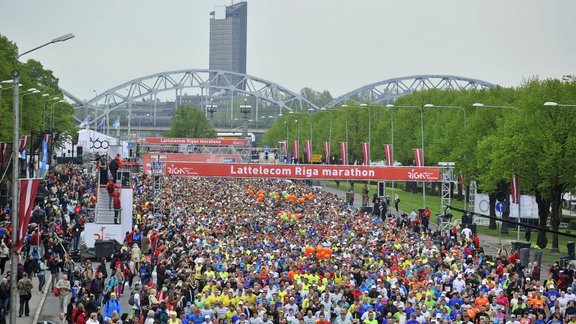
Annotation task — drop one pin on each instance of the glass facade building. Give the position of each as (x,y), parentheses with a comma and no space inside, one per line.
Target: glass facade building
(228,25)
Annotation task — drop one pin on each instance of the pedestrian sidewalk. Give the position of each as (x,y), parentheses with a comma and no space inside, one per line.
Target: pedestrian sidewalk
(35,302)
(51,306)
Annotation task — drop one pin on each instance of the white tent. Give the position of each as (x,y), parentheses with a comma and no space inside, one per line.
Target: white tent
(94,142)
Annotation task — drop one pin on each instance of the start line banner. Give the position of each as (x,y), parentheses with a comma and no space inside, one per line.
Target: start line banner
(192,141)
(295,171)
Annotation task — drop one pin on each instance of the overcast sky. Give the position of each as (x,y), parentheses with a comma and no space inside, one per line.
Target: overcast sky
(335,45)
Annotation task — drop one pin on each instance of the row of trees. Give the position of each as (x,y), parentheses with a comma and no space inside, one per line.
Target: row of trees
(36,109)
(535,141)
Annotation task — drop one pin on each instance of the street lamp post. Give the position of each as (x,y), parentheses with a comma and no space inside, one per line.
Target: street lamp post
(329,131)
(28,92)
(481,105)
(555,104)
(449,107)
(245,110)
(52,117)
(4,88)
(211,108)
(391,106)
(464,111)
(15,150)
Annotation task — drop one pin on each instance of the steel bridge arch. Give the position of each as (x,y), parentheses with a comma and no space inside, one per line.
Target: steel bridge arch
(207,80)
(393,88)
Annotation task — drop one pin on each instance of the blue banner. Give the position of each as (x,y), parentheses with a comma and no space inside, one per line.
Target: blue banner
(44,155)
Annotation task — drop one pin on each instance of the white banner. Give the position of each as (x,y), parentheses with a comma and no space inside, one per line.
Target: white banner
(529,208)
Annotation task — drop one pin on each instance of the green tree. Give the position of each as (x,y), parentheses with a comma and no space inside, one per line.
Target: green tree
(190,122)
(33,107)
(318,98)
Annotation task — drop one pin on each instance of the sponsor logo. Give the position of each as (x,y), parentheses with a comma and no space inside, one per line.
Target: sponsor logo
(416,175)
(228,160)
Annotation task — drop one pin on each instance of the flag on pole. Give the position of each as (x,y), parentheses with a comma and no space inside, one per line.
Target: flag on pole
(515,188)
(309,151)
(116,123)
(327,152)
(85,123)
(297,151)
(4,152)
(28,189)
(23,143)
(389,151)
(344,152)
(418,158)
(366,153)
(101,124)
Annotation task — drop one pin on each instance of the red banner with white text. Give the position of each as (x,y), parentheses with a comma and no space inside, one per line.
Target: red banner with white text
(191,141)
(290,171)
(188,158)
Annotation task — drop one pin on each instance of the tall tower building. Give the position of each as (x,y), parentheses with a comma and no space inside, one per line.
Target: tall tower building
(228,26)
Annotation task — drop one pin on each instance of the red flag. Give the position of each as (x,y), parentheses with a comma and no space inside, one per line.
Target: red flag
(418,157)
(28,189)
(344,152)
(515,188)
(389,151)
(23,143)
(366,153)
(297,150)
(309,150)
(5,148)
(327,152)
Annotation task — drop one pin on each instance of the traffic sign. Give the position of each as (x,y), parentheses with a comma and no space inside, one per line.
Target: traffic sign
(500,207)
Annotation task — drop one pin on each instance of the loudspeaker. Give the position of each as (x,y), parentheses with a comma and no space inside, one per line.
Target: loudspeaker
(524,256)
(79,151)
(104,249)
(571,246)
(124,177)
(381,189)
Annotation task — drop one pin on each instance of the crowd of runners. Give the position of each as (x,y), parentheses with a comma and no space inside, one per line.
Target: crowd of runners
(213,250)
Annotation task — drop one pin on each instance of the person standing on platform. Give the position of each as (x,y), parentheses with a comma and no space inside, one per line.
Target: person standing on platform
(117,207)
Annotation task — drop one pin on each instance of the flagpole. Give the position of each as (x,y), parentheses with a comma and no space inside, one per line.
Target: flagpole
(14,212)
(518,195)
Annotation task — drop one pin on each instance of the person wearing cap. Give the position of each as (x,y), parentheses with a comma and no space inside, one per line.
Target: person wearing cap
(552,295)
(112,305)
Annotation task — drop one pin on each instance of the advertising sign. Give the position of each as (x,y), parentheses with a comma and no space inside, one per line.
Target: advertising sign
(192,141)
(351,172)
(149,158)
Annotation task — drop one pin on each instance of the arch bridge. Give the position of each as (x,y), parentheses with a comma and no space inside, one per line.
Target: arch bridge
(214,91)
(391,89)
